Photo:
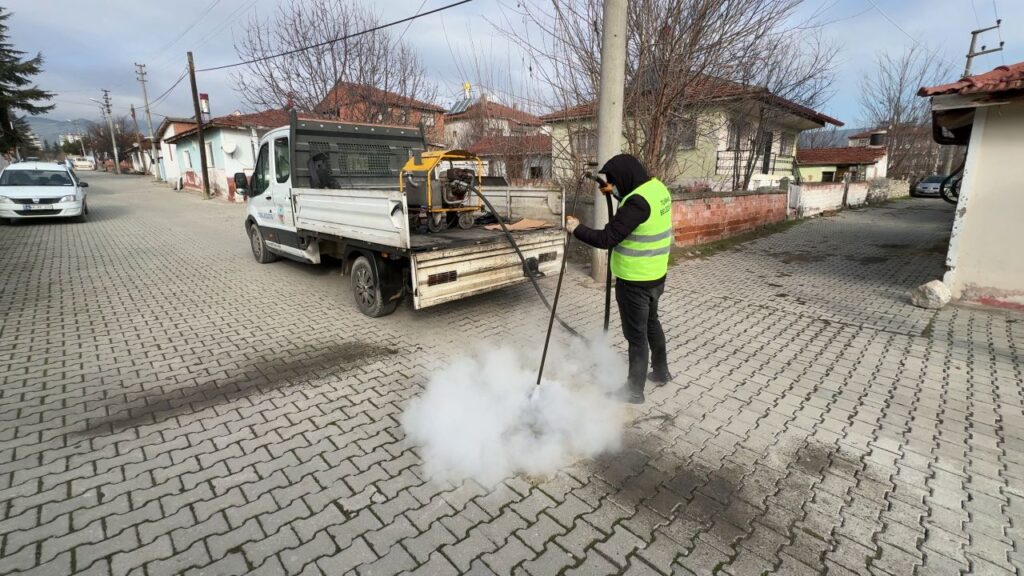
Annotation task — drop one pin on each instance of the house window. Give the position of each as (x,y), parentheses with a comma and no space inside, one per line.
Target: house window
(209,155)
(785,144)
(170,152)
(828,176)
(428,120)
(536,172)
(584,143)
(739,133)
(186,156)
(685,133)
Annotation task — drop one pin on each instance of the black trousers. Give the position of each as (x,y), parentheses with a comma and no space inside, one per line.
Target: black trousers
(638,309)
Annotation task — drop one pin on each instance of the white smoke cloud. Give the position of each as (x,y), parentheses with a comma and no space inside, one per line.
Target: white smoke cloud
(476,418)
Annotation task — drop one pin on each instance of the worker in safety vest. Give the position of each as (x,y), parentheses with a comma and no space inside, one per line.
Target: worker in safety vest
(640,238)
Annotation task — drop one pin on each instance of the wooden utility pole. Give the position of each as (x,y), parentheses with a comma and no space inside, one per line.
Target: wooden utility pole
(149,118)
(108,112)
(199,127)
(138,138)
(609,111)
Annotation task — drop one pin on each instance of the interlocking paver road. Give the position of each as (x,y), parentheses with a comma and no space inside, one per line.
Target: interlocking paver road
(169,406)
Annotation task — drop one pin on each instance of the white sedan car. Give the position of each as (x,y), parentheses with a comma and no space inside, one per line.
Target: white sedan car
(41,190)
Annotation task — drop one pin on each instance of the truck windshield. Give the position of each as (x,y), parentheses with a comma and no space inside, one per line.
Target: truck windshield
(35,178)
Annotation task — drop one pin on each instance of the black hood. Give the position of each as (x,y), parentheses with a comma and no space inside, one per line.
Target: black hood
(626,173)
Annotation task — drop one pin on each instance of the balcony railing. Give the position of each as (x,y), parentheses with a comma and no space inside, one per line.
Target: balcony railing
(732,161)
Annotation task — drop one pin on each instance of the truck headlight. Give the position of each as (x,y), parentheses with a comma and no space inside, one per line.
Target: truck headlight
(69,198)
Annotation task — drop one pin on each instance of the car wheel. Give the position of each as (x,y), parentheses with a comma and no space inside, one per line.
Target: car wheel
(366,290)
(260,252)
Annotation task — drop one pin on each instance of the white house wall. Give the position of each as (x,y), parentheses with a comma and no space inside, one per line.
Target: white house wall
(984,259)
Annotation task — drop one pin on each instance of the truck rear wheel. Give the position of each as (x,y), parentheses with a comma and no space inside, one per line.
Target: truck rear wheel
(366,290)
(259,247)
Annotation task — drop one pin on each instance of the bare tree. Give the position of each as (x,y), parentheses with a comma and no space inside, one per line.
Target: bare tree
(685,59)
(889,100)
(97,136)
(376,60)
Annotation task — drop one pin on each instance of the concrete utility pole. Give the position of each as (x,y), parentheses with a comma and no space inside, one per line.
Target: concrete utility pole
(107,111)
(974,40)
(149,118)
(138,138)
(199,127)
(609,111)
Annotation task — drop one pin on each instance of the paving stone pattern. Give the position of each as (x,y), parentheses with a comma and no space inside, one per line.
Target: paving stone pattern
(169,406)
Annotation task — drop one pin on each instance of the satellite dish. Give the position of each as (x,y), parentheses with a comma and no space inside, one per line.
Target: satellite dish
(229,147)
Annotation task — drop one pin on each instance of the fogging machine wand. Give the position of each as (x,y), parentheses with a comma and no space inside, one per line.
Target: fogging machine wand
(606,189)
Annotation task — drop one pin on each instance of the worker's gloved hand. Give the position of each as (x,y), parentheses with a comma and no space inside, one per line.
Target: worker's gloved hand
(571,223)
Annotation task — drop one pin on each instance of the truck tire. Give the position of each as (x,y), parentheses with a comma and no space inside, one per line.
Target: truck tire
(260,252)
(366,290)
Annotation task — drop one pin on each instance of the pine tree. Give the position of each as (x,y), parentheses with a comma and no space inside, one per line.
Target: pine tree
(17,91)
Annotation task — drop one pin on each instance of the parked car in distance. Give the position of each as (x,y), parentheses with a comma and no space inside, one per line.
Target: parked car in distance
(83,163)
(929,186)
(41,190)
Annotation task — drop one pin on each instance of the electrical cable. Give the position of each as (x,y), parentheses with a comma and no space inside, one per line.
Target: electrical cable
(335,40)
(999,31)
(907,34)
(160,98)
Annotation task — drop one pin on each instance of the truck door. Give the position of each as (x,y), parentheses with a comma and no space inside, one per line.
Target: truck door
(261,200)
(281,186)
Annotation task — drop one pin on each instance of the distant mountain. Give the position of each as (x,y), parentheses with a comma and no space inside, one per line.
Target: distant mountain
(49,129)
(827,137)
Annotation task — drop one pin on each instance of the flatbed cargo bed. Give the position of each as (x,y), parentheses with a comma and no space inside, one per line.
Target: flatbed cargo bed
(457,238)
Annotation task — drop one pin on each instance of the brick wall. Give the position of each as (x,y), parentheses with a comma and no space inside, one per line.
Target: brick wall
(701,220)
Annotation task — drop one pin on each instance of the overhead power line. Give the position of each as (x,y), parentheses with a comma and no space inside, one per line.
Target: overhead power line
(160,98)
(329,42)
(908,35)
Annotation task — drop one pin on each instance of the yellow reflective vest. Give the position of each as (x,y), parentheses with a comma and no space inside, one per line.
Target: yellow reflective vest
(643,255)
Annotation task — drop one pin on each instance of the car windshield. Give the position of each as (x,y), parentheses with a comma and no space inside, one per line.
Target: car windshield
(35,178)
(934,179)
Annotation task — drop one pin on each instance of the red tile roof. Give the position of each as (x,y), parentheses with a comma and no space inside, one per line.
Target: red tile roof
(999,79)
(266,119)
(488,109)
(532,145)
(350,93)
(844,155)
(709,89)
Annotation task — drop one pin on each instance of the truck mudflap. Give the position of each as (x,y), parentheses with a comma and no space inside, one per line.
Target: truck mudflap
(445,275)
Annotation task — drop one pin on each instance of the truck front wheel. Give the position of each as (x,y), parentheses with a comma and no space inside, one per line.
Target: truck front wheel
(366,290)
(259,247)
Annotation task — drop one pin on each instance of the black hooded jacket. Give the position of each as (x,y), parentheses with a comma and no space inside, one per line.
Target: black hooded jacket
(627,174)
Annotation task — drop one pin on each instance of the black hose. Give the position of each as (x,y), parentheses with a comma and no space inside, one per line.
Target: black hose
(608,272)
(526,269)
(558,290)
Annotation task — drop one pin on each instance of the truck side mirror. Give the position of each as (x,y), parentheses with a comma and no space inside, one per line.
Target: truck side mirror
(241,183)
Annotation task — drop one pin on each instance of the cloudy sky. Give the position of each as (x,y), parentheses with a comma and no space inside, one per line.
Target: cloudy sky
(95,45)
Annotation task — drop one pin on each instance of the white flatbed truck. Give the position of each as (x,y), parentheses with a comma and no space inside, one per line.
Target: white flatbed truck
(326,188)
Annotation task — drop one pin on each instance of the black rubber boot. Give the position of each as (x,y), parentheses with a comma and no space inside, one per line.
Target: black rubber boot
(659,379)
